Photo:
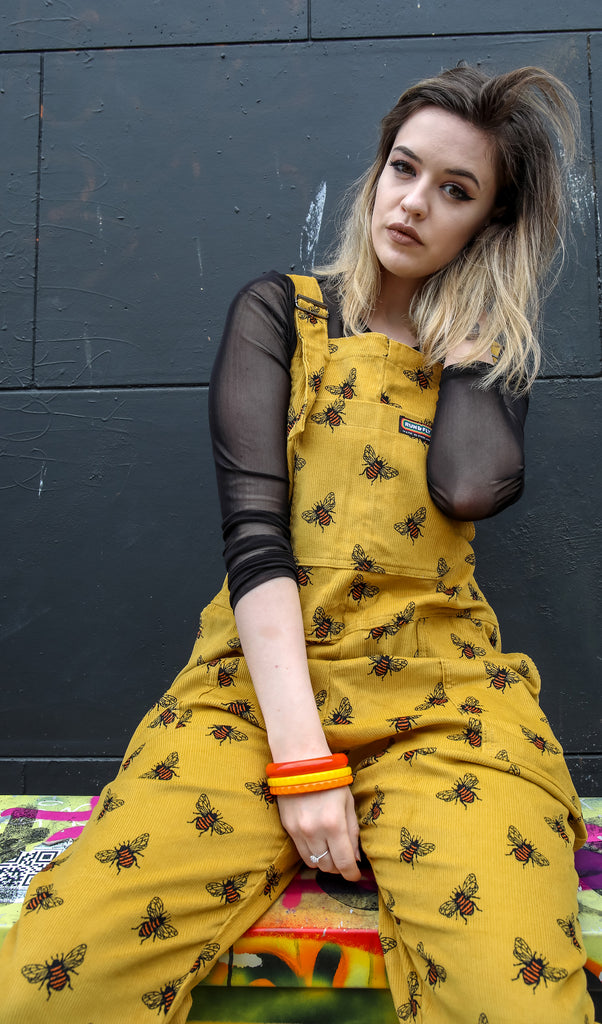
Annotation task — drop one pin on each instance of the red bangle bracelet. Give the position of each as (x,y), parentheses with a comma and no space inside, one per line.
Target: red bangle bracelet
(313,764)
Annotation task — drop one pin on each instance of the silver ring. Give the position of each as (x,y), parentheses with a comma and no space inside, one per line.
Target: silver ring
(315,860)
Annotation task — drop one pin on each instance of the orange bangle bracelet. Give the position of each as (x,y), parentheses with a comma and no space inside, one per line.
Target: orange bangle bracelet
(312,764)
(310,787)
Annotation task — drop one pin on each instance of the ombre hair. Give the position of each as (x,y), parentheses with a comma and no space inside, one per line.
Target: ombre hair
(498,279)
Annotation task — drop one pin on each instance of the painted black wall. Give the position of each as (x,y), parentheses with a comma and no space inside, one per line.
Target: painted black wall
(185,147)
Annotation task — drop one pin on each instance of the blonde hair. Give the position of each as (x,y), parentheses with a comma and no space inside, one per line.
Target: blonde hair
(497,280)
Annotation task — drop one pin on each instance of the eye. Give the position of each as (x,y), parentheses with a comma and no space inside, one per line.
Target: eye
(402,166)
(457,192)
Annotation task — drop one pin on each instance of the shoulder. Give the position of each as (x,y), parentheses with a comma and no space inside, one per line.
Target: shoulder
(273,290)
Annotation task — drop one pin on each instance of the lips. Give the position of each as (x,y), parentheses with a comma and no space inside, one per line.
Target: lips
(402,232)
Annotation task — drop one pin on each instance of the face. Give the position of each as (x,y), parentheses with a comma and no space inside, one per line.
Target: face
(436,192)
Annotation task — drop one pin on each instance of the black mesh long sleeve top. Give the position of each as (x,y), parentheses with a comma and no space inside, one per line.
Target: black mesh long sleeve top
(475,464)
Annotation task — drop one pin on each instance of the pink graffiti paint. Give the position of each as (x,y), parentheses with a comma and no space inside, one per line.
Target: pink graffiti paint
(65,833)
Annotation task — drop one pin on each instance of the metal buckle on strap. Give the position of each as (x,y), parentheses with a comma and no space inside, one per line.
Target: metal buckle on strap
(311,308)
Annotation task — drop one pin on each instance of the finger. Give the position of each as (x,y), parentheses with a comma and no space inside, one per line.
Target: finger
(353,826)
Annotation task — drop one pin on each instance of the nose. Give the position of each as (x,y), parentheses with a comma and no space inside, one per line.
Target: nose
(414,200)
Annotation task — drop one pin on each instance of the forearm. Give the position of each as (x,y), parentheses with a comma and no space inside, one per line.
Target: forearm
(270,628)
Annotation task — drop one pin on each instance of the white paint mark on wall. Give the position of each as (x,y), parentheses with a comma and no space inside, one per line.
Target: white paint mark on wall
(310,232)
(87,348)
(42,479)
(199,256)
(243,959)
(581,194)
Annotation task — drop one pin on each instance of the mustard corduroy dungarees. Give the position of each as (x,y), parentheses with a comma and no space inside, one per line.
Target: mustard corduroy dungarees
(467,811)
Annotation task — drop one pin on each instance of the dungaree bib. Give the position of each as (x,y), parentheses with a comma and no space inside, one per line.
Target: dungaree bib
(467,811)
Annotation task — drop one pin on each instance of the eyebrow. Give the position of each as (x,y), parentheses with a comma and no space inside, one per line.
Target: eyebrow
(458,171)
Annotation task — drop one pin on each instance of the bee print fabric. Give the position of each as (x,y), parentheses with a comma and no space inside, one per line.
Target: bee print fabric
(466,809)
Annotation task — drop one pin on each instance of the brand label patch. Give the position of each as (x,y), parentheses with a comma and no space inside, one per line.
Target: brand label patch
(421,431)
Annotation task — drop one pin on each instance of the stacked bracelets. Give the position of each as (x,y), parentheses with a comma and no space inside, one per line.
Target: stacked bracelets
(295,777)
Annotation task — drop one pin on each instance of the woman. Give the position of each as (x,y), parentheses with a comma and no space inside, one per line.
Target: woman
(351,621)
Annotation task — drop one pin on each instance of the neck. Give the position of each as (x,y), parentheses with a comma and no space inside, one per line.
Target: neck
(391,312)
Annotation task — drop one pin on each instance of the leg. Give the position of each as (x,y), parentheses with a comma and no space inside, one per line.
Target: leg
(168,873)
(478,888)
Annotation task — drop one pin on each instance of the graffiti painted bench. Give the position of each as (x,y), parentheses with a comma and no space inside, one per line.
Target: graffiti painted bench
(315,954)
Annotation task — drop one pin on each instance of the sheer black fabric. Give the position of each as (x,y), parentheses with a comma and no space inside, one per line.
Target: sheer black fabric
(475,461)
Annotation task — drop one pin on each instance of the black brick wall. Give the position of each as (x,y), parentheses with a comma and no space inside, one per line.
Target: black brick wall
(180,150)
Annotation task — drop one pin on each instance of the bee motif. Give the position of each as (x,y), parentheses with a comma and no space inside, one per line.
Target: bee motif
(385,400)
(324,625)
(126,855)
(361,590)
(321,514)
(404,723)
(126,764)
(230,889)
(557,826)
(262,790)
(376,468)
(420,377)
(272,878)
(343,715)
(435,973)
(493,637)
(155,923)
(304,574)
(164,997)
(293,417)
(471,706)
(411,525)
(110,803)
(299,463)
(413,847)
(411,755)
(463,791)
(331,416)
(44,899)
(467,650)
(314,313)
(411,1008)
(367,762)
(164,770)
(474,593)
(449,591)
(226,732)
(386,943)
(362,562)
(470,559)
(534,968)
(539,742)
(377,632)
(472,733)
(320,698)
(376,808)
(242,708)
(314,379)
(55,973)
(405,617)
(384,665)
(500,677)
(442,567)
(167,716)
(209,818)
(435,699)
(199,631)
(567,924)
(346,388)
(184,719)
(524,851)
(502,755)
(483,1019)
(208,952)
(226,672)
(462,900)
